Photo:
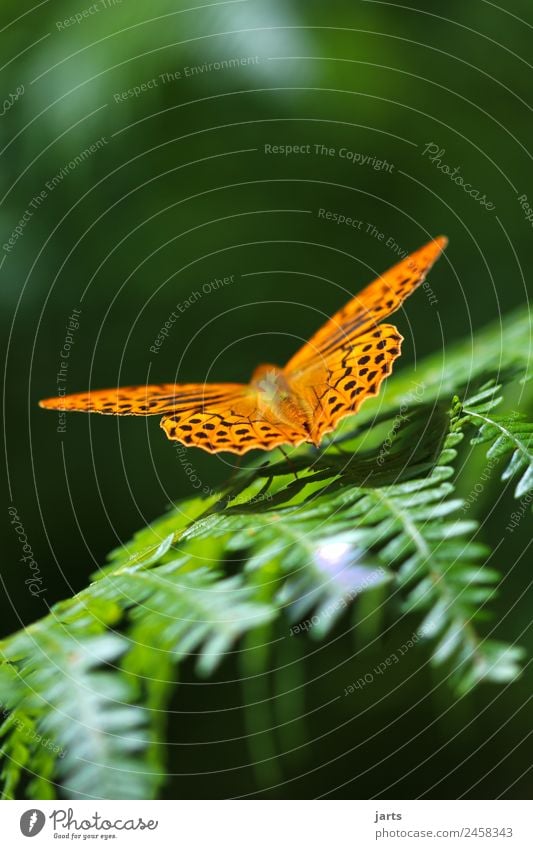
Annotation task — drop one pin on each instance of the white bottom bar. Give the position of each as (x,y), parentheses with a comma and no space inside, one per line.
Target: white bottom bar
(268,824)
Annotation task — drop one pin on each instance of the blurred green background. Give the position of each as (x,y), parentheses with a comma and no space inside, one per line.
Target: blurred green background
(137,168)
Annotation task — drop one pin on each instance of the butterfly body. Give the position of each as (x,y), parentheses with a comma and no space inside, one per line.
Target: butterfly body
(341,366)
(275,395)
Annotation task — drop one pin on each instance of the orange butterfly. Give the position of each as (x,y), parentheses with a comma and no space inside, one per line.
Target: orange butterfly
(341,366)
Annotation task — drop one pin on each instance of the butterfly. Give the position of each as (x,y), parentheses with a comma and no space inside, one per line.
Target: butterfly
(342,365)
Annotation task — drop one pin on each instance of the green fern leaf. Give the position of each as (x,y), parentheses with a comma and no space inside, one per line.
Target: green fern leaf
(508,437)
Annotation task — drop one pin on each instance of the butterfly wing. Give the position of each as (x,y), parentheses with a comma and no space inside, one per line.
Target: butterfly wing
(146,400)
(337,386)
(380,299)
(239,425)
(214,416)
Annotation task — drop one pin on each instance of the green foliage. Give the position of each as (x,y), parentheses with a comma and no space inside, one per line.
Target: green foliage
(506,435)
(286,541)
(69,688)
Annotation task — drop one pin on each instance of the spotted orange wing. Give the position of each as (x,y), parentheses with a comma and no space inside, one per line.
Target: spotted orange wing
(345,362)
(243,423)
(378,300)
(337,386)
(213,416)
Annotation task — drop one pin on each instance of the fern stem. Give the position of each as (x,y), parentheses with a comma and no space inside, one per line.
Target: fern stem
(505,431)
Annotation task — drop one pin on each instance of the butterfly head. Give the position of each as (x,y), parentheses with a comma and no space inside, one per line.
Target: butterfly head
(269,380)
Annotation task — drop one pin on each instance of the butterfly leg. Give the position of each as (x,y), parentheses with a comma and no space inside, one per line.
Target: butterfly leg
(237,467)
(289,462)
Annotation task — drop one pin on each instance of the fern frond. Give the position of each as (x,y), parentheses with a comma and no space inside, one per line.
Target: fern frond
(88,711)
(508,436)
(190,612)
